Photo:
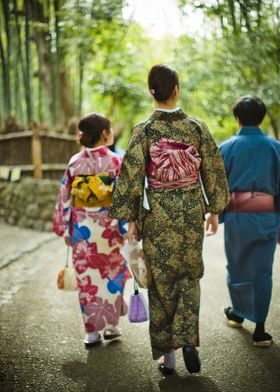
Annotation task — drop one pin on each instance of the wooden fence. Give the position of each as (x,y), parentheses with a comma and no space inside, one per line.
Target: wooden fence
(35,153)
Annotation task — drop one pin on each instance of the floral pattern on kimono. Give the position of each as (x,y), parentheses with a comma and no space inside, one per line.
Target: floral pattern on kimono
(96,241)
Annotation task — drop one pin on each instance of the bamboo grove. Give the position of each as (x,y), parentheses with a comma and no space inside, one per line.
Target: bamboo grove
(62,58)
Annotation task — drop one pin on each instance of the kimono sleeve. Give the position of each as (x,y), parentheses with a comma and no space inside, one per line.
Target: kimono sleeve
(62,212)
(128,194)
(213,173)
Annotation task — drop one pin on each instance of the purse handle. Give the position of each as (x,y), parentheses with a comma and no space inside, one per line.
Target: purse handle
(136,288)
(67,257)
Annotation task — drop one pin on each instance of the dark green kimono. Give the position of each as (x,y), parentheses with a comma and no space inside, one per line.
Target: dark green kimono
(173,229)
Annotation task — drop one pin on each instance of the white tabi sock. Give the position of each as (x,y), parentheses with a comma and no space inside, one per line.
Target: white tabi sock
(92,337)
(170,360)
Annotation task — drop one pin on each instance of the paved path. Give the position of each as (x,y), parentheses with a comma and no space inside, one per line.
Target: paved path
(41,330)
(15,242)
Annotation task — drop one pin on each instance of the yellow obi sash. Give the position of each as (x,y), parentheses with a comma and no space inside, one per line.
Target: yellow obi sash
(92,190)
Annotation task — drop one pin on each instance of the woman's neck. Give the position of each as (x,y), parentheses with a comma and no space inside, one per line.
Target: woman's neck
(97,145)
(168,105)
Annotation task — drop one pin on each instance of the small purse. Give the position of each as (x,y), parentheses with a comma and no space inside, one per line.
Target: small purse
(66,278)
(138,310)
(133,253)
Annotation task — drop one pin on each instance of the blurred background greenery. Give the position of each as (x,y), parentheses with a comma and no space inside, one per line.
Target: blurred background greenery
(61,59)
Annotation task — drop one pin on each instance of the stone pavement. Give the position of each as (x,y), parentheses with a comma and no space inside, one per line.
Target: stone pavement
(41,332)
(16,241)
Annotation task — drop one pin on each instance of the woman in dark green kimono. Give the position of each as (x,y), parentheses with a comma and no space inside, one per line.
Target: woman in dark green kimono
(185,179)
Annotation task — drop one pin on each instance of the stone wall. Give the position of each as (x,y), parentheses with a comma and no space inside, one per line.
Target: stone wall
(29,203)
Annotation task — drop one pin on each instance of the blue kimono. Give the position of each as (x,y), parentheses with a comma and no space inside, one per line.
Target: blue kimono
(252,162)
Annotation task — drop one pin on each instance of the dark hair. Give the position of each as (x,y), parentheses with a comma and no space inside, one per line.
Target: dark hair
(91,127)
(250,110)
(161,81)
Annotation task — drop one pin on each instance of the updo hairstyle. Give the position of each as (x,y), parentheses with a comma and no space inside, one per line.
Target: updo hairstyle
(91,127)
(161,81)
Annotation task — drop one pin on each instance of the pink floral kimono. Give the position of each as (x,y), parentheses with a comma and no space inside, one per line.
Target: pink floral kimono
(82,214)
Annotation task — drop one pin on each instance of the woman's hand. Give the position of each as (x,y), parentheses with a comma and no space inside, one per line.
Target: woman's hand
(212,224)
(132,231)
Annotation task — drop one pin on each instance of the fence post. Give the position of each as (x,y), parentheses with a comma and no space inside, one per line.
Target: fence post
(36,152)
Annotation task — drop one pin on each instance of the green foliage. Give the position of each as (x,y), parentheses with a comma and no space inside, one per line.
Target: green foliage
(85,57)
(241,57)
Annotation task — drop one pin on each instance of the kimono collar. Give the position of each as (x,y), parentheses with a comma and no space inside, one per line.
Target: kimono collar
(168,115)
(250,130)
(168,110)
(94,148)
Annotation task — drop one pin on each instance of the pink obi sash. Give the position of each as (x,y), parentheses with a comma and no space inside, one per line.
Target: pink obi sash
(251,202)
(172,164)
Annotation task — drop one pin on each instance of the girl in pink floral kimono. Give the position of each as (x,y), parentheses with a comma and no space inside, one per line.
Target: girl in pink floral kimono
(81,217)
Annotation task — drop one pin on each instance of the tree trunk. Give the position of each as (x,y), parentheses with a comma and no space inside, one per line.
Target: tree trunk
(66,101)
(244,11)
(42,40)
(57,60)
(52,66)
(6,12)
(112,106)
(24,65)
(81,79)
(274,125)
(5,78)
(232,13)
(28,65)
(65,97)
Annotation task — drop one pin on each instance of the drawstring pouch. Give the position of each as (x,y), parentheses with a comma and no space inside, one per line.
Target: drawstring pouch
(138,310)
(66,278)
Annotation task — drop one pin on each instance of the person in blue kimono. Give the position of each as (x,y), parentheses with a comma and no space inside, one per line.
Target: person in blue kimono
(251,220)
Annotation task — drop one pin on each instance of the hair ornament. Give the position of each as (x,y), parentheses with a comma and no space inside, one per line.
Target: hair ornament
(152,91)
